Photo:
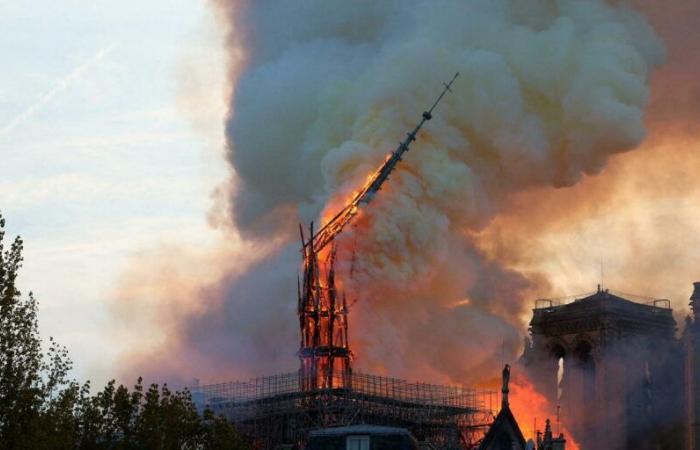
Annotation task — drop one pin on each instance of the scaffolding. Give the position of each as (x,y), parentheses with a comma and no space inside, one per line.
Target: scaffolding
(548,303)
(278,411)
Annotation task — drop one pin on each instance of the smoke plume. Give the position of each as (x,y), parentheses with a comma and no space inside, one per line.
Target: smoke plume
(548,92)
(321,91)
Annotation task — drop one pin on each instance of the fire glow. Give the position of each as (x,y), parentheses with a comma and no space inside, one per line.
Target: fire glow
(531,409)
(334,98)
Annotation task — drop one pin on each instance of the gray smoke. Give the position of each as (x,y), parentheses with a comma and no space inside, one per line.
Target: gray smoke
(548,91)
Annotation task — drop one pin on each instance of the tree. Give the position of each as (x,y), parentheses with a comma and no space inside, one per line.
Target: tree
(156,419)
(34,389)
(220,435)
(42,409)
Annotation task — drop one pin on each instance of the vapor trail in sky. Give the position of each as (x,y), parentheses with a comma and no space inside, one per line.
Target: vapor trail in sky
(60,86)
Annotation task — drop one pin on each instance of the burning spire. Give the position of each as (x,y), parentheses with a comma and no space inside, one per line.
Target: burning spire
(324,350)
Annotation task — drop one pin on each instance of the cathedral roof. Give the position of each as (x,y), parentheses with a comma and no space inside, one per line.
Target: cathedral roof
(504,433)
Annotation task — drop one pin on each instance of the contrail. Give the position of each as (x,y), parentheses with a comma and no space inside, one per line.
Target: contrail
(60,86)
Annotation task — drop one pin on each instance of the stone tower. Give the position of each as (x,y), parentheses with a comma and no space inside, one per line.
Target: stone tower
(612,365)
(691,347)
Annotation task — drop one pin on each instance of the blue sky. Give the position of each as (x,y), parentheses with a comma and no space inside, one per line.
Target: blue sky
(110,142)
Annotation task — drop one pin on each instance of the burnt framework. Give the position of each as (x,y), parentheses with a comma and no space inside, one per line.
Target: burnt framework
(279,411)
(324,351)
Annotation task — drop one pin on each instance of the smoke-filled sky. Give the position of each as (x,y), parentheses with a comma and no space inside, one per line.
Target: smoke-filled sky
(158,173)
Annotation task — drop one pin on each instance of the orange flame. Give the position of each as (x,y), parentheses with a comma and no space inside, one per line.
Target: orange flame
(339,201)
(531,409)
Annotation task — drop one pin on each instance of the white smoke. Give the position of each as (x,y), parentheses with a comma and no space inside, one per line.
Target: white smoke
(548,91)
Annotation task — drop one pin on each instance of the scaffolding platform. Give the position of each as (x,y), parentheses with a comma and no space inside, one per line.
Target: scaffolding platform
(278,412)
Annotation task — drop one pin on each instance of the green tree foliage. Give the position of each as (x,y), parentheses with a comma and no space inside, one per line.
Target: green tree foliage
(35,394)
(41,408)
(156,419)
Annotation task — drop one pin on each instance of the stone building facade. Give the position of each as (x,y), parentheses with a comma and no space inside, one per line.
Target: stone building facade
(616,368)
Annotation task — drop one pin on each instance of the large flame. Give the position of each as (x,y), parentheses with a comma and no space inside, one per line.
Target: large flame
(531,409)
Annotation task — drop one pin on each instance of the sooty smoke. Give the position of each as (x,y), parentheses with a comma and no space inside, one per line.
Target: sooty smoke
(548,92)
(321,91)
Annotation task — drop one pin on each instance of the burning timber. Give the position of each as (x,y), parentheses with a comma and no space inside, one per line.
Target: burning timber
(324,349)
